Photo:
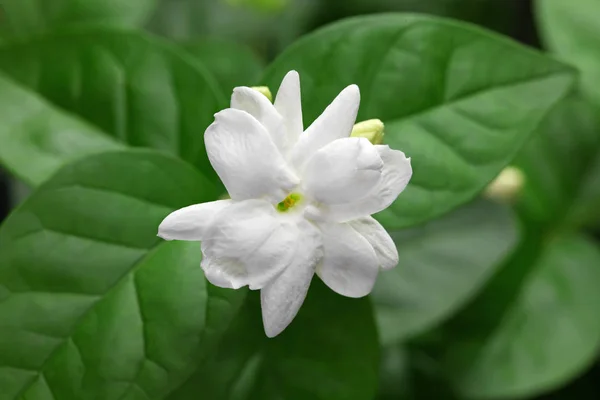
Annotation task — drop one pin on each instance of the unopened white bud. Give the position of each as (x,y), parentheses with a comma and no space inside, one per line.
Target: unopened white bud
(507,186)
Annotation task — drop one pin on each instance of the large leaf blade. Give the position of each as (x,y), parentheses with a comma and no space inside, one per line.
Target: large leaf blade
(36,138)
(439,269)
(458,100)
(534,329)
(24,18)
(94,305)
(561,163)
(330,351)
(571,30)
(133,87)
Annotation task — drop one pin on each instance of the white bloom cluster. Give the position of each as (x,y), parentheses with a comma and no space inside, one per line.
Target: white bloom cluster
(300,202)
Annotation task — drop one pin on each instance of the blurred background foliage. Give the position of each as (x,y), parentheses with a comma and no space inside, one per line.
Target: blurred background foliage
(490,301)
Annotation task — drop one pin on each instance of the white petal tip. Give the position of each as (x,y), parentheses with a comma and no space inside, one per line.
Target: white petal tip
(239,89)
(162,231)
(163,236)
(271,334)
(357,295)
(228,114)
(221,113)
(293,74)
(350,294)
(217,279)
(391,262)
(352,89)
(273,330)
(355,292)
(388,267)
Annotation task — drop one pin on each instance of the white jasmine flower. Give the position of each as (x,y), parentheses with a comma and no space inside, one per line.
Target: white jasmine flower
(300,201)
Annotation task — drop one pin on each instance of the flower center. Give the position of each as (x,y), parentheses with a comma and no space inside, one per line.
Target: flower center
(289,202)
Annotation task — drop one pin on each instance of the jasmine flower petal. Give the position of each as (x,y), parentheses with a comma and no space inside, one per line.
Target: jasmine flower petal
(190,223)
(350,265)
(342,171)
(288,104)
(379,239)
(335,122)
(248,245)
(281,299)
(246,159)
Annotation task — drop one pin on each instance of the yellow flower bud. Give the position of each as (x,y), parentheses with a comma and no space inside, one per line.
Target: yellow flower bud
(264,90)
(507,186)
(371,129)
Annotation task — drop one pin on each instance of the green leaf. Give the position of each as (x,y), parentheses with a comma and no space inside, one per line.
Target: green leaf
(440,269)
(459,100)
(33,17)
(535,328)
(230,63)
(132,87)
(36,138)
(562,166)
(94,305)
(330,351)
(571,30)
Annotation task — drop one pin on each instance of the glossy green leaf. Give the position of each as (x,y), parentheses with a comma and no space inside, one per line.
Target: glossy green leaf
(459,100)
(230,63)
(33,17)
(571,29)
(92,304)
(517,345)
(442,265)
(562,166)
(134,88)
(330,351)
(36,138)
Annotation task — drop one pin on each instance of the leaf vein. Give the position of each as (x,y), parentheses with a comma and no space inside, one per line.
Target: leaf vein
(82,317)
